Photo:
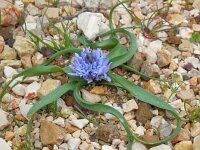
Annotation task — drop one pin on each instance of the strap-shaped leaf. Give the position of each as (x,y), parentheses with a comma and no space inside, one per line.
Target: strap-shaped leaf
(149,98)
(103,108)
(51,97)
(60,53)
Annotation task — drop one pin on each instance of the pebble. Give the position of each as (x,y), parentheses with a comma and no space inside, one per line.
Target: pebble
(136,61)
(59,121)
(32,89)
(138,146)
(4,145)
(196,143)
(165,129)
(19,89)
(24,109)
(186,94)
(153,87)
(10,12)
(92,3)
(74,143)
(106,147)
(195,129)
(143,114)
(9,135)
(50,133)
(161,147)
(9,72)
(196,27)
(164,58)
(33,11)
(80,123)
(93,98)
(23,46)
(90,24)
(192,60)
(8,53)
(129,105)
(107,133)
(151,70)
(140,130)
(84,146)
(156,121)
(4,122)
(52,13)
(183,145)
(196,4)
(63,146)
(2,44)
(11,63)
(47,87)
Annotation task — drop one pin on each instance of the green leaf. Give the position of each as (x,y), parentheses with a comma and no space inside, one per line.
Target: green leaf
(105,44)
(144,75)
(195,37)
(103,108)
(51,97)
(149,98)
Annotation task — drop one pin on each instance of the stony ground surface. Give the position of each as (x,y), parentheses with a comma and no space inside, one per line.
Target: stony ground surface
(164,54)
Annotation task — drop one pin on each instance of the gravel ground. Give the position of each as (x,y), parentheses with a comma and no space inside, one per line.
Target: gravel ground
(164,51)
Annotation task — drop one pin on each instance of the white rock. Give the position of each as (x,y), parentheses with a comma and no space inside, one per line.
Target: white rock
(7,98)
(130,105)
(31,90)
(90,23)
(80,123)
(30,26)
(156,121)
(24,46)
(96,145)
(4,145)
(4,122)
(116,142)
(24,109)
(161,147)
(138,146)
(196,143)
(140,130)
(194,61)
(196,4)
(155,46)
(9,72)
(59,121)
(63,146)
(19,89)
(92,3)
(90,97)
(151,56)
(73,143)
(106,147)
(185,32)
(67,137)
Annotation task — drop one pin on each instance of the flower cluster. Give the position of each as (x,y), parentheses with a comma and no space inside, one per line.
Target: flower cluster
(91,65)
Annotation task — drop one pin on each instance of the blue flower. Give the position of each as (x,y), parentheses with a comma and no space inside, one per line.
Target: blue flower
(91,65)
